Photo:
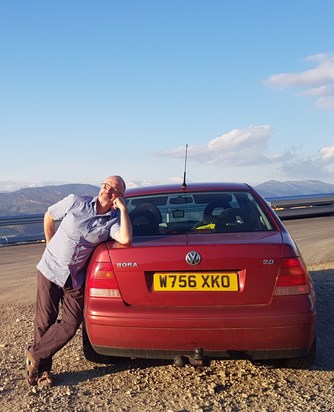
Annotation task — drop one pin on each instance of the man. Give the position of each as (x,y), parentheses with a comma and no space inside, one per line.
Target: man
(85,222)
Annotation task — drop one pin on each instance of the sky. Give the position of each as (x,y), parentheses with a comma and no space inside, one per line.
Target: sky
(90,89)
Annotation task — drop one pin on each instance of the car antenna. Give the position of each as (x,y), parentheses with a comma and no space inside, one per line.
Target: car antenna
(184,184)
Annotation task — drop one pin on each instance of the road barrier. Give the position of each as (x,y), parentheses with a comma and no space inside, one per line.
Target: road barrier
(302,207)
(16,229)
(286,208)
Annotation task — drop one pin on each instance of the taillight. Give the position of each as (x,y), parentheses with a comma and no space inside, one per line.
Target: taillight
(293,277)
(101,280)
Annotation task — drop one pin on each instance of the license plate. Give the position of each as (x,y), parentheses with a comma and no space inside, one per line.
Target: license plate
(203,281)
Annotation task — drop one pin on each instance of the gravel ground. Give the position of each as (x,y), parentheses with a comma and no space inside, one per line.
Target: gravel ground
(139,385)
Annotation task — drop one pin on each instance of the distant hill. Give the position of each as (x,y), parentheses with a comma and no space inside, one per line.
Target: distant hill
(274,188)
(36,200)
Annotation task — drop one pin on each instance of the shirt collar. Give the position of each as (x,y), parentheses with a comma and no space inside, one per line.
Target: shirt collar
(93,202)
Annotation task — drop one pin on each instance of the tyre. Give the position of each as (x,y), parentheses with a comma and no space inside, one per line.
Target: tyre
(304,362)
(90,353)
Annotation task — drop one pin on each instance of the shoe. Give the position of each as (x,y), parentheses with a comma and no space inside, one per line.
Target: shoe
(31,368)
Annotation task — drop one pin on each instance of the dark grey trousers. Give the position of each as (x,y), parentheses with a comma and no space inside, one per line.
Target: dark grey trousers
(51,333)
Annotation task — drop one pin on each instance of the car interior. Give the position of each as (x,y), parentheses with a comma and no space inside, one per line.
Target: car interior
(196,213)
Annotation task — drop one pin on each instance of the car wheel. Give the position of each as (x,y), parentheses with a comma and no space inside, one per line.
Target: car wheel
(90,353)
(304,362)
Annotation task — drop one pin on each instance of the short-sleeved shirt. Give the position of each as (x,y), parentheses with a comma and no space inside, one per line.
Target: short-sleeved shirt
(80,231)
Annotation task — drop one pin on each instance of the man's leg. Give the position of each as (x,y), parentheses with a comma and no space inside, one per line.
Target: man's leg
(47,309)
(61,332)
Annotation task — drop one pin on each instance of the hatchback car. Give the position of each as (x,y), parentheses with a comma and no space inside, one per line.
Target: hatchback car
(211,273)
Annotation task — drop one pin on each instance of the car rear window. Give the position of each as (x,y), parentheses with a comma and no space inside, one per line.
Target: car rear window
(211,212)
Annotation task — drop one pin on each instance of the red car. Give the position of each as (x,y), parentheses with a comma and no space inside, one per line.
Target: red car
(212,273)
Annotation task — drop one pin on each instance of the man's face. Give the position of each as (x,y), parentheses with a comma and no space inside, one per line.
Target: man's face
(111,189)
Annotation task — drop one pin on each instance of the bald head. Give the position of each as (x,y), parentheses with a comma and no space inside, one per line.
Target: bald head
(116,181)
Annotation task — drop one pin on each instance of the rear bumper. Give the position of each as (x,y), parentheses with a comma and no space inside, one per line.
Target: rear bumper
(232,355)
(257,332)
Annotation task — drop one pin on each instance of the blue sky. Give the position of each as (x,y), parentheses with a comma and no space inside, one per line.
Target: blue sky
(94,88)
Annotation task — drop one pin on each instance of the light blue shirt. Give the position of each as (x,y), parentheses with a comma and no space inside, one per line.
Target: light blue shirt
(80,230)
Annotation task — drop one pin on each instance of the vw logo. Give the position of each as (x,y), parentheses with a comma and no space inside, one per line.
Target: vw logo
(193,258)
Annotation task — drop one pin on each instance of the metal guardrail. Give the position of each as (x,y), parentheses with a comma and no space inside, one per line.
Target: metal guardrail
(286,208)
(302,207)
(21,220)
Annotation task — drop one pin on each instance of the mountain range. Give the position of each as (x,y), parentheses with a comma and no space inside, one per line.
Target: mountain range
(35,200)
(274,188)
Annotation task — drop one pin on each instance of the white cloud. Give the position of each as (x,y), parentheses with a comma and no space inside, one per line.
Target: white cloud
(327,153)
(321,166)
(318,82)
(248,148)
(238,147)
(327,158)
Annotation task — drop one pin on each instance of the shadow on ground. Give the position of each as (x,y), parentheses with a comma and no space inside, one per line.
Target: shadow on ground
(324,287)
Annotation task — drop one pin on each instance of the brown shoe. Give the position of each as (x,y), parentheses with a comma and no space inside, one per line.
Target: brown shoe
(31,368)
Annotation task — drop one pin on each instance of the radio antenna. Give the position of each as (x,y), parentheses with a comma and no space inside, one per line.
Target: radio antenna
(184,184)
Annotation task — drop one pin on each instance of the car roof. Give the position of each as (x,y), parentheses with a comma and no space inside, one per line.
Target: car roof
(189,188)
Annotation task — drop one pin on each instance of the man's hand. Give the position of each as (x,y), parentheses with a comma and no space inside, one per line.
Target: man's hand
(119,204)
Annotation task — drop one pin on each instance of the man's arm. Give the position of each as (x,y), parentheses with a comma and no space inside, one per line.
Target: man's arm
(49,227)
(124,234)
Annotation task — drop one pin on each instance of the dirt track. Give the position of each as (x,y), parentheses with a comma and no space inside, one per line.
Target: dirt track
(159,386)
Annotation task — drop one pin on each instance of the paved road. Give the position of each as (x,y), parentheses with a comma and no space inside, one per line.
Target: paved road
(313,236)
